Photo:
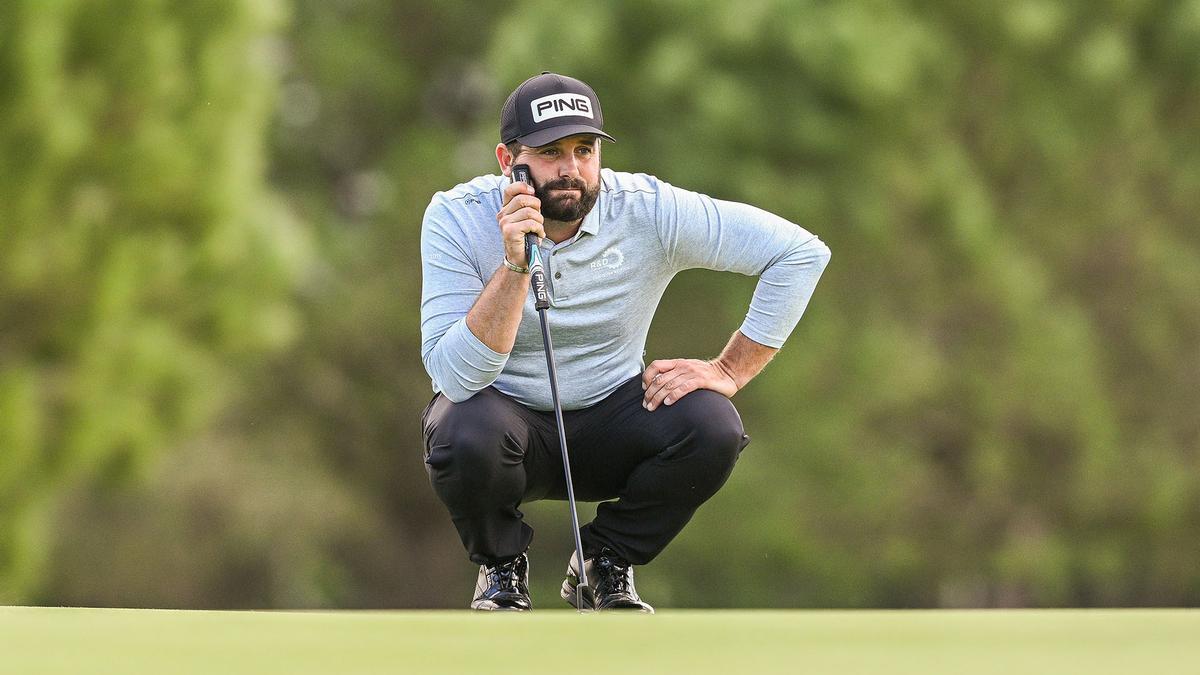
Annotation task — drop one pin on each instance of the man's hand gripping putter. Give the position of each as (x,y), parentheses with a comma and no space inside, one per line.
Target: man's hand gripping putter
(533,256)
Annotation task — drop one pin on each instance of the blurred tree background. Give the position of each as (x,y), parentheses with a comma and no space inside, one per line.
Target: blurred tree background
(209,369)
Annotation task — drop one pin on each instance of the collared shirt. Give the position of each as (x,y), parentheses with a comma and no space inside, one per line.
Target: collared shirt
(605,283)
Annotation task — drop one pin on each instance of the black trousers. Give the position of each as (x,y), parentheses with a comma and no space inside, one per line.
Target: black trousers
(489,454)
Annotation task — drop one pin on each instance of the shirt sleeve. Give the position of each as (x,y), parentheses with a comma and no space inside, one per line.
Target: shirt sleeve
(457,361)
(698,231)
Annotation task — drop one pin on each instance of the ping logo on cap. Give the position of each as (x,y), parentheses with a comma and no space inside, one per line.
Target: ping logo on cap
(560,105)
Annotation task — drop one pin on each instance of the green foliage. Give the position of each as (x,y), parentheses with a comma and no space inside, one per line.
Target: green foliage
(142,264)
(991,400)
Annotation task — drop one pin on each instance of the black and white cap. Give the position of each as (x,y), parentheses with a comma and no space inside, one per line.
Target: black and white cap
(548,107)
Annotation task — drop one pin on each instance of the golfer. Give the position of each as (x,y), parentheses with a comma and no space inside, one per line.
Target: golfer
(652,442)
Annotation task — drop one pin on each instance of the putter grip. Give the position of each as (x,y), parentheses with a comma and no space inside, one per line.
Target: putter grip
(530,244)
(533,257)
(537,275)
(521,174)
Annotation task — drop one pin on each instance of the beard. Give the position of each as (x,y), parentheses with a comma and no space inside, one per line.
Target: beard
(567,208)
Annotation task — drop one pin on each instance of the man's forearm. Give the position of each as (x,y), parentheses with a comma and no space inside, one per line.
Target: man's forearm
(743,358)
(496,315)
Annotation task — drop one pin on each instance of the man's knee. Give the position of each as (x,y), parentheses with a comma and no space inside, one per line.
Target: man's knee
(469,447)
(717,425)
(715,438)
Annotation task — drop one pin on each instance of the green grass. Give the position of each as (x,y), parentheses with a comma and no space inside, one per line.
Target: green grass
(1012,642)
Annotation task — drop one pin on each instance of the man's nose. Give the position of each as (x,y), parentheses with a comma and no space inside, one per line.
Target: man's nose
(569,166)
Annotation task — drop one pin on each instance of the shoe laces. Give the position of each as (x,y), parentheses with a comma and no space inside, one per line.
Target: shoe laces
(615,573)
(506,576)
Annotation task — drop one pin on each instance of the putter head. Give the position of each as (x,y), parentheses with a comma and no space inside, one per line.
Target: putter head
(585,600)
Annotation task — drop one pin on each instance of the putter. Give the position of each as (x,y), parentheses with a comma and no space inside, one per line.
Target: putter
(537,278)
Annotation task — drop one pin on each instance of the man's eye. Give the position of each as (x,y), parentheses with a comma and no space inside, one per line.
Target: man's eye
(550,151)
(585,151)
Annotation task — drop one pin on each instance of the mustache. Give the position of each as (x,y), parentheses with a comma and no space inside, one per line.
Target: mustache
(565,183)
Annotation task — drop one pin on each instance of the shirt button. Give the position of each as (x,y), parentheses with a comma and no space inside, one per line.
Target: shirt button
(558,275)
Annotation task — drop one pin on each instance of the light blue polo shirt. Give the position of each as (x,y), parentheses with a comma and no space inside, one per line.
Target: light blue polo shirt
(605,283)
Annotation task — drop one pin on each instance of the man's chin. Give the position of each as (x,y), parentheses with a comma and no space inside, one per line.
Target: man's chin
(567,206)
(564,217)
(564,210)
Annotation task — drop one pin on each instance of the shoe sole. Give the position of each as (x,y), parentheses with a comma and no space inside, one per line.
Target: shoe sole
(489,606)
(568,593)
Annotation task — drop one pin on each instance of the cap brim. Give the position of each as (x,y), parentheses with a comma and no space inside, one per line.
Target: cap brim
(547,136)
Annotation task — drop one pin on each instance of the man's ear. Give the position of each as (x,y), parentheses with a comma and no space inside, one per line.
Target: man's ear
(505,158)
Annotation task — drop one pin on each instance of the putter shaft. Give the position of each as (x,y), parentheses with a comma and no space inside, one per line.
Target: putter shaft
(562,444)
(541,303)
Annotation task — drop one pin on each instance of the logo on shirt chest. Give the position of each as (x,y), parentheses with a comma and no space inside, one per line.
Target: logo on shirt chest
(609,261)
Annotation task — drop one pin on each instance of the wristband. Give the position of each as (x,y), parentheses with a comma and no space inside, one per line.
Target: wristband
(515,268)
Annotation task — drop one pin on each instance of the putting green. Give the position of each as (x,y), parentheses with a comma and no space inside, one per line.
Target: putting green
(130,642)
